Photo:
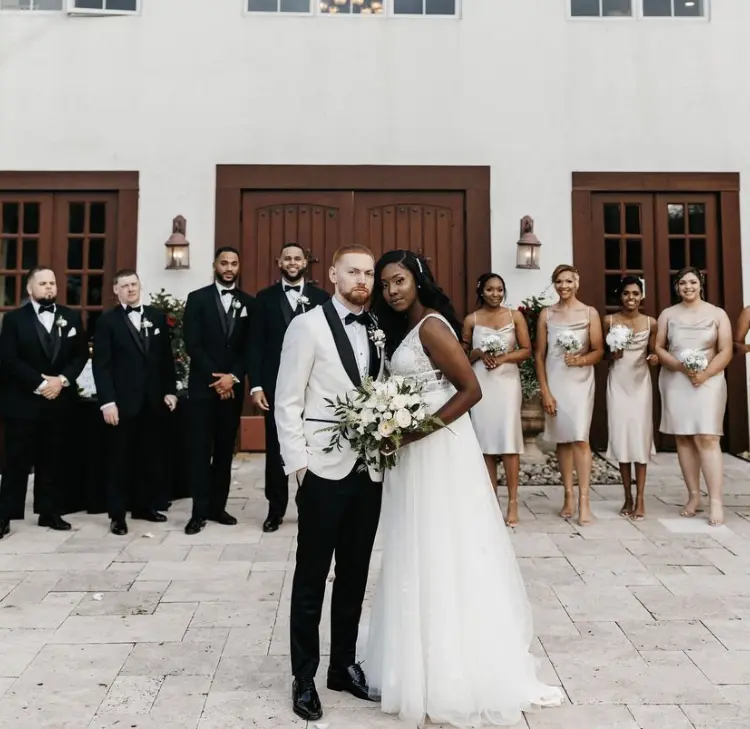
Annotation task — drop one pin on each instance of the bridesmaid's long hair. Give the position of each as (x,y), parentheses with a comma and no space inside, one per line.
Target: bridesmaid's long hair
(482,282)
(393,323)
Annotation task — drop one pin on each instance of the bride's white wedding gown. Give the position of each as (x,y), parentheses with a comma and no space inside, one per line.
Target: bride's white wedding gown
(451,626)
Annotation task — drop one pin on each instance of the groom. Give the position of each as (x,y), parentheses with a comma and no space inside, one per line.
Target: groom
(326,353)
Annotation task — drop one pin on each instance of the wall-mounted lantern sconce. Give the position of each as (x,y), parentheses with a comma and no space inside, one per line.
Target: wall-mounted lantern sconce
(178,248)
(527,254)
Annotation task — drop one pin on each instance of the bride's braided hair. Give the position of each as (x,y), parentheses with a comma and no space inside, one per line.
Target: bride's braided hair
(430,295)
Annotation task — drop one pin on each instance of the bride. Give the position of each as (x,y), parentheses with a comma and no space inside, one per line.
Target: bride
(450,628)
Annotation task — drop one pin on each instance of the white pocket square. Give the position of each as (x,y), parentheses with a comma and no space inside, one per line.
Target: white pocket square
(72,332)
(243,313)
(156,331)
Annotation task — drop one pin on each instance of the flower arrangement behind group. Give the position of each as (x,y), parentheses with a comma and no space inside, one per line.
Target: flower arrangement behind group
(174,310)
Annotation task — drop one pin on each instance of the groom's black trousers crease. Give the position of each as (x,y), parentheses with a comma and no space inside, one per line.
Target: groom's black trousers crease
(341,518)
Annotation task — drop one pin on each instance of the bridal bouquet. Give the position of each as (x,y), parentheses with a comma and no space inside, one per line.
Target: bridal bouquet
(693,360)
(619,337)
(568,342)
(494,345)
(379,413)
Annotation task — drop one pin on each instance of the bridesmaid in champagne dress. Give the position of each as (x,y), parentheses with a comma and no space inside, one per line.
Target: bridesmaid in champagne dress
(693,403)
(497,416)
(629,395)
(566,380)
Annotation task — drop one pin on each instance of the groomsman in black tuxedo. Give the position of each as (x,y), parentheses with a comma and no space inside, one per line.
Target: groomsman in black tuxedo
(276,307)
(136,384)
(216,326)
(43,350)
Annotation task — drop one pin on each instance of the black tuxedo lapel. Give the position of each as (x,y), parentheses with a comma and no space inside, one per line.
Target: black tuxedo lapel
(133,331)
(56,337)
(286,310)
(45,338)
(232,315)
(218,299)
(375,352)
(343,345)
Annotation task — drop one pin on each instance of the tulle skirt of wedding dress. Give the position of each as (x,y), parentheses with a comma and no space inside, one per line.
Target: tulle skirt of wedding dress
(450,628)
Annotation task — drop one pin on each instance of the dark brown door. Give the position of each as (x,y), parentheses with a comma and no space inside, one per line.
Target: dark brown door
(320,222)
(652,236)
(431,224)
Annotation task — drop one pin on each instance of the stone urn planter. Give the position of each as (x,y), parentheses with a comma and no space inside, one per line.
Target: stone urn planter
(532,422)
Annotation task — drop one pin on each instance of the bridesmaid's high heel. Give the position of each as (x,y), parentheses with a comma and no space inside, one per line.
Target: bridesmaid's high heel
(691,509)
(716,512)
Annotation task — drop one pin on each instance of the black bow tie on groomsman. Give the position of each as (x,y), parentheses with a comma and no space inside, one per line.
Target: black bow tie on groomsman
(363,318)
(288,287)
(50,309)
(133,309)
(225,292)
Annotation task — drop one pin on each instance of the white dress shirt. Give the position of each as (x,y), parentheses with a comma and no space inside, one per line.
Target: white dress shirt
(293,296)
(226,301)
(358,337)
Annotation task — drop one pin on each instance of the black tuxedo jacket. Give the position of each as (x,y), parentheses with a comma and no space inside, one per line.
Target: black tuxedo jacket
(214,341)
(272,318)
(130,370)
(27,352)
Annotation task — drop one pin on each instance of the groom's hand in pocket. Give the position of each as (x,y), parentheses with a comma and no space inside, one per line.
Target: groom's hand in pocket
(301,476)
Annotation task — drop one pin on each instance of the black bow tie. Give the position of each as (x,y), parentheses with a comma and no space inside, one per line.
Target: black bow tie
(50,309)
(224,292)
(292,288)
(132,309)
(363,318)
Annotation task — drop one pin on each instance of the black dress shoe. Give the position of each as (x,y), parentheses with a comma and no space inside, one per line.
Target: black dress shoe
(4,527)
(223,518)
(149,515)
(195,525)
(118,527)
(272,523)
(305,699)
(54,522)
(351,679)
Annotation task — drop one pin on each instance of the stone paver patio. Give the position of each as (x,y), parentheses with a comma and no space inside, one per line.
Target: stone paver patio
(645,625)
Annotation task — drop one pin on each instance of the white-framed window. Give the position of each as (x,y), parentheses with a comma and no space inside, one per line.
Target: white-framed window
(393,8)
(298,7)
(40,5)
(674,8)
(103,7)
(601,8)
(445,8)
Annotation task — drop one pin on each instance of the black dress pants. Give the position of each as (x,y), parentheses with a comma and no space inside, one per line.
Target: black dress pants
(335,518)
(277,482)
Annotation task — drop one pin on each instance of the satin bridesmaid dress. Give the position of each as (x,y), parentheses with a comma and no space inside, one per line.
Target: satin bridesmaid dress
(572,387)
(497,416)
(688,410)
(629,403)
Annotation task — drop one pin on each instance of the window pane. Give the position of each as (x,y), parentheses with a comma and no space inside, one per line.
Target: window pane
(29,254)
(657,8)
(611,218)
(75,253)
(98,217)
(633,218)
(612,254)
(294,6)
(94,293)
(96,253)
(441,7)
(127,5)
(697,218)
(617,8)
(263,6)
(48,5)
(31,218)
(633,255)
(677,257)
(612,284)
(73,290)
(585,8)
(10,217)
(77,219)
(698,252)
(688,8)
(408,7)
(90,4)
(8,286)
(8,253)
(676,214)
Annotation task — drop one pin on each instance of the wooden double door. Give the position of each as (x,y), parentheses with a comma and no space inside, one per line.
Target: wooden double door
(429,223)
(653,235)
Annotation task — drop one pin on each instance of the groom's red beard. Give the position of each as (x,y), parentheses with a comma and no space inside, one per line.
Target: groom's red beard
(357,296)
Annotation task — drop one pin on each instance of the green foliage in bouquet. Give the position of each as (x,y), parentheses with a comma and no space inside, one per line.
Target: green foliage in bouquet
(531,307)
(174,309)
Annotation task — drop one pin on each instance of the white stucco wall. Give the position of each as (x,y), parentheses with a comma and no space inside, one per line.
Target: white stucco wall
(514,84)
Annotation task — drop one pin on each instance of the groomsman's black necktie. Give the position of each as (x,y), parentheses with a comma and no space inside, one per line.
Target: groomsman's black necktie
(288,287)
(50,309)
(363,318)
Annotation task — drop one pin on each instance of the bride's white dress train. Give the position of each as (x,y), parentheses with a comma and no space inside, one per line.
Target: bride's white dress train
(450,628)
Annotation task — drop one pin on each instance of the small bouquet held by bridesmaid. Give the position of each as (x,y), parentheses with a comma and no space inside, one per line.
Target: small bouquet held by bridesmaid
(568,342)
(693,360)
(494,345)
(619,338)
(379,414)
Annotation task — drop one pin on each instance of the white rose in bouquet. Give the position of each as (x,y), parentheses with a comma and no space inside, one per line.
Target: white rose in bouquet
(693,360)
(386,428)
(568,342)
(403,418)
(494,345)
(619,338)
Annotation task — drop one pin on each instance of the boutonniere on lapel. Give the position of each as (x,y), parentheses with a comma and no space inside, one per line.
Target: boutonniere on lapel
(146,325)
(61,323)
(303,301)
(377,337)
(236,306)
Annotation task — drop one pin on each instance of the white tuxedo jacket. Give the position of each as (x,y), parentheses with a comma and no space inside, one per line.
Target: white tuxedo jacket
(317,362)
